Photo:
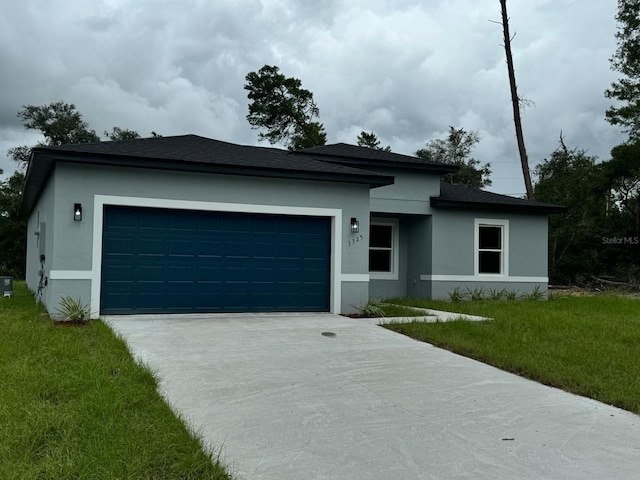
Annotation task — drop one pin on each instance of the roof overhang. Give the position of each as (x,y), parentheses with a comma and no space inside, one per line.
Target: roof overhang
(436,168)
(43,161)
(540,209)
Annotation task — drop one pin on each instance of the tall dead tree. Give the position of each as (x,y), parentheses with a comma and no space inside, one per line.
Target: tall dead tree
(516,102)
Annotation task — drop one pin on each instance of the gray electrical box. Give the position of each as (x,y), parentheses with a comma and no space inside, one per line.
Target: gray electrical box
(6,286)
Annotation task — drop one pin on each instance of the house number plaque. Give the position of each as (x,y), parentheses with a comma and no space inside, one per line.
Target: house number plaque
(354,240)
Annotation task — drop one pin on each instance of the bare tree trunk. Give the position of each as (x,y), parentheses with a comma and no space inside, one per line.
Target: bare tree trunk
(516,102)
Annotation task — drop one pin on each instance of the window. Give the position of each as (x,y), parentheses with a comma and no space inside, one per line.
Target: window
(491,238)
(383,246)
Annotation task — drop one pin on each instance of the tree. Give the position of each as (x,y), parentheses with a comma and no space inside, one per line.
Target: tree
(285,109)
(515,101)
(623,170)
(573,179)
(370,140)
(623,175)
(59,122)
(626,60)
(455,150)
(310,135)
(20,155)
(13,227)
(118,133)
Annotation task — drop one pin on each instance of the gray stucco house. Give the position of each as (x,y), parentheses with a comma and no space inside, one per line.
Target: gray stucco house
(188,224)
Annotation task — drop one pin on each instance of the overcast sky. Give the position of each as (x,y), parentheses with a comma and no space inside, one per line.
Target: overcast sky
(405,69)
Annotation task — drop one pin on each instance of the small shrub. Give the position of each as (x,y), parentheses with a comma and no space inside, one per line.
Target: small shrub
(74,310)
(535,295)
(475,294)
(511,295)
(495,294)
(373,308)
(456,295)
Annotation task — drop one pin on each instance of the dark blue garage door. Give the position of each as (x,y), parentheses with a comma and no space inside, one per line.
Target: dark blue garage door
(183,261)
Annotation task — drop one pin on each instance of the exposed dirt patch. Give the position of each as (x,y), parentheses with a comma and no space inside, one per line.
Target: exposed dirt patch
(593,291)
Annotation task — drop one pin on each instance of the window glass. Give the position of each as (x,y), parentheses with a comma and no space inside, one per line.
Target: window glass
(382,254)
(490,249)
(489,262)
(380,236)
(380,260)
(490,237)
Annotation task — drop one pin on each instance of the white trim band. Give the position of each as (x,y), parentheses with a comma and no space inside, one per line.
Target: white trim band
(354,277)
(70,275)
(482,278)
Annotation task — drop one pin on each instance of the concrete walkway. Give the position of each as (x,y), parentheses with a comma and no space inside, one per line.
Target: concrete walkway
(284,399)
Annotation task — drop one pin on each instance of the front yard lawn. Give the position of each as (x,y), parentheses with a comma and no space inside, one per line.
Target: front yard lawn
(74,404)
(586,345)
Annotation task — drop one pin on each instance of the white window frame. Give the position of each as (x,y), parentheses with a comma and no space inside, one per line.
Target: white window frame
(394,223)
(504,258)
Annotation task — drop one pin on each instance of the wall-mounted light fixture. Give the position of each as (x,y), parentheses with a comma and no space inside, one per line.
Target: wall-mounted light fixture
(355,225)
(77,212)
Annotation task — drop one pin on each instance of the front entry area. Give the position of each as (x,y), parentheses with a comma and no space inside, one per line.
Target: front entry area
(159,260)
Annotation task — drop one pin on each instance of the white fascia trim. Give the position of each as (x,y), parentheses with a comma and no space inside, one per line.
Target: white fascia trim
(99,201)
(70,275)
(355,277)
(482,278)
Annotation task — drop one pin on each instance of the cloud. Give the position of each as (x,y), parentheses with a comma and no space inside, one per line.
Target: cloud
(405,69)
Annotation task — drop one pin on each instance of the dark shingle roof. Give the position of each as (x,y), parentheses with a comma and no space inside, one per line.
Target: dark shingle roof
(190,153)
(362,156)
(460,197)
(200,150)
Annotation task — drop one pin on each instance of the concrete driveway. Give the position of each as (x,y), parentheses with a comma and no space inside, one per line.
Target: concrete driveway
(283,401)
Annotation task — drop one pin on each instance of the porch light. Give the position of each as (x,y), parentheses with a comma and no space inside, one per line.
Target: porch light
(77,212)
(355,225)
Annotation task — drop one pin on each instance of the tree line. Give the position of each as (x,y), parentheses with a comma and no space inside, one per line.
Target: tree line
(60,124)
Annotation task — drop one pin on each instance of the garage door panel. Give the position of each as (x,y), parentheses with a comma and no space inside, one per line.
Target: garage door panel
(236,223)
(150,273)
(162,260)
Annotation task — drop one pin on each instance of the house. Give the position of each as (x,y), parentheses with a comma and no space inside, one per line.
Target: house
(187,224)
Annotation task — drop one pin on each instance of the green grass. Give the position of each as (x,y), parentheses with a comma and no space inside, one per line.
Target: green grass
(586,345)
(74,405)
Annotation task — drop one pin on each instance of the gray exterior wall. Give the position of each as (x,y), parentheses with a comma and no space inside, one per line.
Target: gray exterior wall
(42,220)
(419,252)
(408,195)
(453,253)
(71,264)
(408,200)
(436,246)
